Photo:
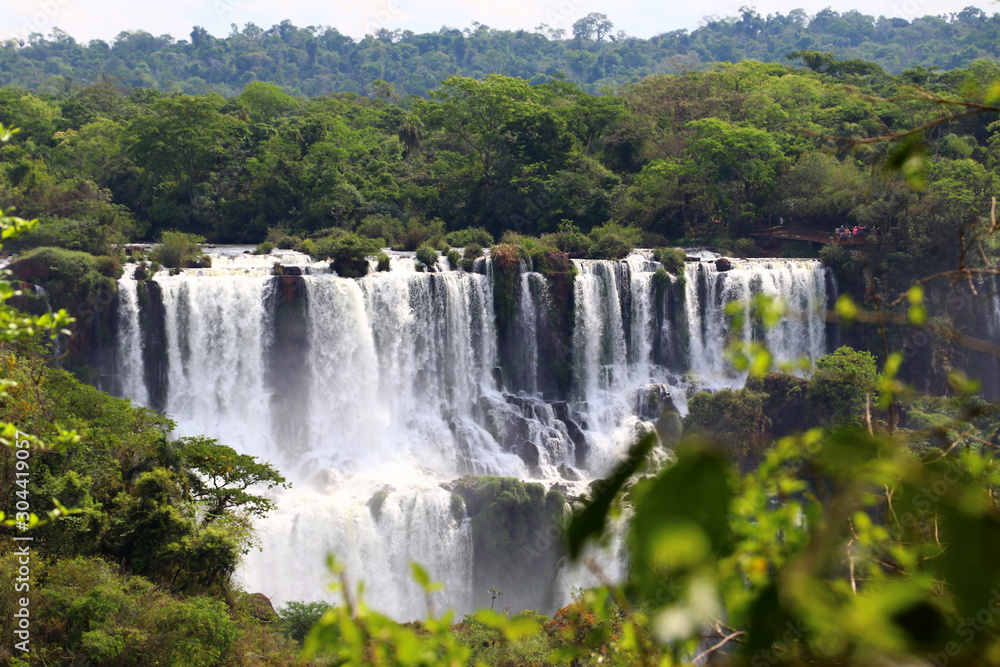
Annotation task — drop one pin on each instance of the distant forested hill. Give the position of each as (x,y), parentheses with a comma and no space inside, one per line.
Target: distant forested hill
(314,60)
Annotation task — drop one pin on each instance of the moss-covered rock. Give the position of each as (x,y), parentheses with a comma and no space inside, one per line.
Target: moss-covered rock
(506,269)
(74,280)
(427,256)
(733,418)
(348,253)
(86,287)
(376,502)
(517,538)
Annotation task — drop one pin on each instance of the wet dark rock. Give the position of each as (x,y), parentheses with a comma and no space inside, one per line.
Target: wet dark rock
(653,400)
(509,428)
(669,427)
(561,409)
(377,500)
(529,454)
(723,264)
(569,473)
(561,488)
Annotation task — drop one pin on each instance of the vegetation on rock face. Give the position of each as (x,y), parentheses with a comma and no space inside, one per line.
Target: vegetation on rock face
(180,250)
(348,253)
(158,527)
(470,254)
(427,256)
(746,421)
(506,268)
(515,529)
(612,241)
(77,281)
(736,418)
(673,260)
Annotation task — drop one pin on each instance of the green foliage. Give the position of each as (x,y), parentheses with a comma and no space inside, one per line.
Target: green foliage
(718,545)
(354,634)
(91,609)
(76,281)
(464,238)
(383,262)
(297,618)
(173,516)
(569,238)
(587,52)
(842,382)
(417,233)
(612,241)
(95,234)
(264,248)
(470,254)
(490,646)
(427,256)
(454,259)
(746,248)
(382,227)
(735,418)
(220,478)
(180,250)
(348,253)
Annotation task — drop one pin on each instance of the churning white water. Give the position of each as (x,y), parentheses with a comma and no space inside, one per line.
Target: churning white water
(368,393)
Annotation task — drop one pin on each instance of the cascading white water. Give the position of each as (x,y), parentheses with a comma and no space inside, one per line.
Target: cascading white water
(129,352)
(600,358)
(217,329)
(799,284)
(644,296)
(416,524)
(398,361)
(395,392)
(527,324)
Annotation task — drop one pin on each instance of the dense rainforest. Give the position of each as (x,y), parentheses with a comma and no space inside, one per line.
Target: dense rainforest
(746,145)
(837,518)
(318,60)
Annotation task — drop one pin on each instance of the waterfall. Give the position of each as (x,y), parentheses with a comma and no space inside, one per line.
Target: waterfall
(399,361)
(217,333)
(376,542)
(526,333)
(600,357)
(599,349)
(369,393)
(129,353)
(801,334)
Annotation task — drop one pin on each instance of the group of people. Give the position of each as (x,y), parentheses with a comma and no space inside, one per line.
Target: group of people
(847,233)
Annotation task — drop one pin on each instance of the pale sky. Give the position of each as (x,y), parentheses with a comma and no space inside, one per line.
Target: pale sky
(103,19)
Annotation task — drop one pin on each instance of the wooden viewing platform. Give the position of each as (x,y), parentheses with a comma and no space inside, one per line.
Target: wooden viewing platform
(813,235)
